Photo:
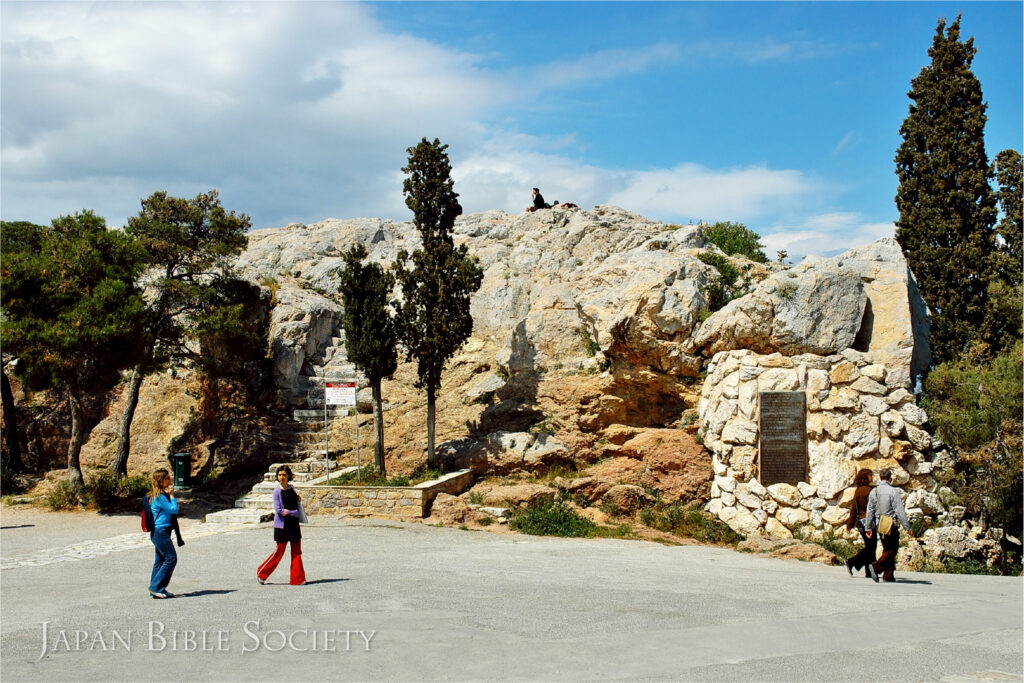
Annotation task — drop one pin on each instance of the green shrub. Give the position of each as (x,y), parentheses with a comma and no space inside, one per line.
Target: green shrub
(369,475)
(975,404)
(787,290)
(588,341)
(736,238)
(728,271)
(108,491)
(551,519)
(486,520)
(475,498)
(64,496)
(690,521)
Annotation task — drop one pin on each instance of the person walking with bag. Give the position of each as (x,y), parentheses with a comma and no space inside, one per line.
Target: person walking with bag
(164,507)
(858,511)
(287,513)
(884,517)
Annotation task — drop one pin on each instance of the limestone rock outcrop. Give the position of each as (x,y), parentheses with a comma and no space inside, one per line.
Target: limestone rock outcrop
(812,308)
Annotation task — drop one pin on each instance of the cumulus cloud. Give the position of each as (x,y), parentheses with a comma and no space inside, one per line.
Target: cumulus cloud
(300,111)
(504,168)
(295,106)
(825,234)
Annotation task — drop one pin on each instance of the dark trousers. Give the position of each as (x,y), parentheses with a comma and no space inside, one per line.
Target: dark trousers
(298,572)
(867,554)
(166,559)
(886,565)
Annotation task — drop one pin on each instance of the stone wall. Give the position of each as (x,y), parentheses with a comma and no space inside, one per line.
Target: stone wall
(861,414)
(395,502)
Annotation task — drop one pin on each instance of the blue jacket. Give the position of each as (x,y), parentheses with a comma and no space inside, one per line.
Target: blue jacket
(164,508)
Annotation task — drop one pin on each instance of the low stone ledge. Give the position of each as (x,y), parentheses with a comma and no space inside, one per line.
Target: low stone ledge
(396,502)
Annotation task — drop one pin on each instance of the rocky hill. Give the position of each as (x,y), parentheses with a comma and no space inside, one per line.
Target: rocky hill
(595,357)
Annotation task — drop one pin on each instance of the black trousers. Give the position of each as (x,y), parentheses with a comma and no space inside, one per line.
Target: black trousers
(867,554)
(886,565)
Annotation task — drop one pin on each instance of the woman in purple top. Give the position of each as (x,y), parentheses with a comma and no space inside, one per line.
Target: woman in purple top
(286,529)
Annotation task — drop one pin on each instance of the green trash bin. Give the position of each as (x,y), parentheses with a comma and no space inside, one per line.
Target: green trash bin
(182,470)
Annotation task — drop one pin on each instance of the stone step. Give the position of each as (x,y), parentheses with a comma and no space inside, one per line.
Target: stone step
(256,502)
(298,477)
(310,415)
(239,516)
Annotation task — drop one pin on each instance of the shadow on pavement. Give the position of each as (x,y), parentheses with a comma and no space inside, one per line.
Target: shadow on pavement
(925,583)
(308,583)
(199,594)
(17,526)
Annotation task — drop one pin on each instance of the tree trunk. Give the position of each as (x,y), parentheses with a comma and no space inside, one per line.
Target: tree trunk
(11,438)
(124,434)
(77,438)
(431,457)
(378,426)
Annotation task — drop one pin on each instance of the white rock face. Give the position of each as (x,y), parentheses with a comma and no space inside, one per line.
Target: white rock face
(815,308)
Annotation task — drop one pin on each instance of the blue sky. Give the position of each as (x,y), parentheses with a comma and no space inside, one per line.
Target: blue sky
(784,116)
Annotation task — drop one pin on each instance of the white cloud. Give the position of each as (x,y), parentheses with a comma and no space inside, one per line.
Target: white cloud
(844,143)
(825,234)
(300,111)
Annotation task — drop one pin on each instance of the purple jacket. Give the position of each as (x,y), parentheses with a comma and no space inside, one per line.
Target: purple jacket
(280,510)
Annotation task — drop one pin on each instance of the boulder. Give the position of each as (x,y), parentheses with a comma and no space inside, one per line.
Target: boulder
(448,510)
(806,552)
(763,544)
(744,522)
(815,308)
(793,517)
(625,499)
(518,495)
(786,494)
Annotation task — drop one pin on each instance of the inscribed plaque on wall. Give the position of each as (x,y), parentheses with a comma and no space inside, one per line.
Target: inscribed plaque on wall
(783,449)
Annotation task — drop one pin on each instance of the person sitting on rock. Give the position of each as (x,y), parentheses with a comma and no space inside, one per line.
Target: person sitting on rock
(538,201)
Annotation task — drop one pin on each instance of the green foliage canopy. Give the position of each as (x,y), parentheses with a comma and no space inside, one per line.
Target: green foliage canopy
(72,311)
(371,336)
(736,238)
(946,206)
(975,405)
(436,280)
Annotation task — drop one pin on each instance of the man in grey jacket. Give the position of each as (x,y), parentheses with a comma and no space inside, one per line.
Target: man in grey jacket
(886,499)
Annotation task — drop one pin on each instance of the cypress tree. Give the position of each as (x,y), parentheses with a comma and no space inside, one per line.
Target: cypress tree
(371,337)
(1003,325)
(434,317)
(947,208)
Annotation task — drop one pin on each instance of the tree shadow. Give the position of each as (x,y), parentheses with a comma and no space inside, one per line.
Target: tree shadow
(17,526)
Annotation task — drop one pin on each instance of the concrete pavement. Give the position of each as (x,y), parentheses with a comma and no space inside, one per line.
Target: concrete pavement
(446,604)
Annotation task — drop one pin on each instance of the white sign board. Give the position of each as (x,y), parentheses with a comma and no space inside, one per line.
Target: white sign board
(340,393)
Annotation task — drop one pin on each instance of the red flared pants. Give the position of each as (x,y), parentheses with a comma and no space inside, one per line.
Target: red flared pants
(298,572)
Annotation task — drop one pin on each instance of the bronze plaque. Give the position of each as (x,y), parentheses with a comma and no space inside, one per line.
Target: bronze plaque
(783,425)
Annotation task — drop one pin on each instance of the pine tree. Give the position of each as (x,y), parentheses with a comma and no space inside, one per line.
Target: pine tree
(434,317)
(187,243)
(72,312)
(947,208)
(371,337)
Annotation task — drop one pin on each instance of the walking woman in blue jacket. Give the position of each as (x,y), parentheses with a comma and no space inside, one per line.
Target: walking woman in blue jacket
(164,507)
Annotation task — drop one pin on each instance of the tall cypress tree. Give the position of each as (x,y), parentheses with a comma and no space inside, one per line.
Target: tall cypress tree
(1003,325)
(947,208)
(434,318)
(371,337)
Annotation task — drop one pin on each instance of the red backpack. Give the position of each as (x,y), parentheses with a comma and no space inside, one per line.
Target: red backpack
(147,515)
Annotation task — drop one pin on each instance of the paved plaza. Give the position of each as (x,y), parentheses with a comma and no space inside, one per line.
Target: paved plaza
(393,601)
